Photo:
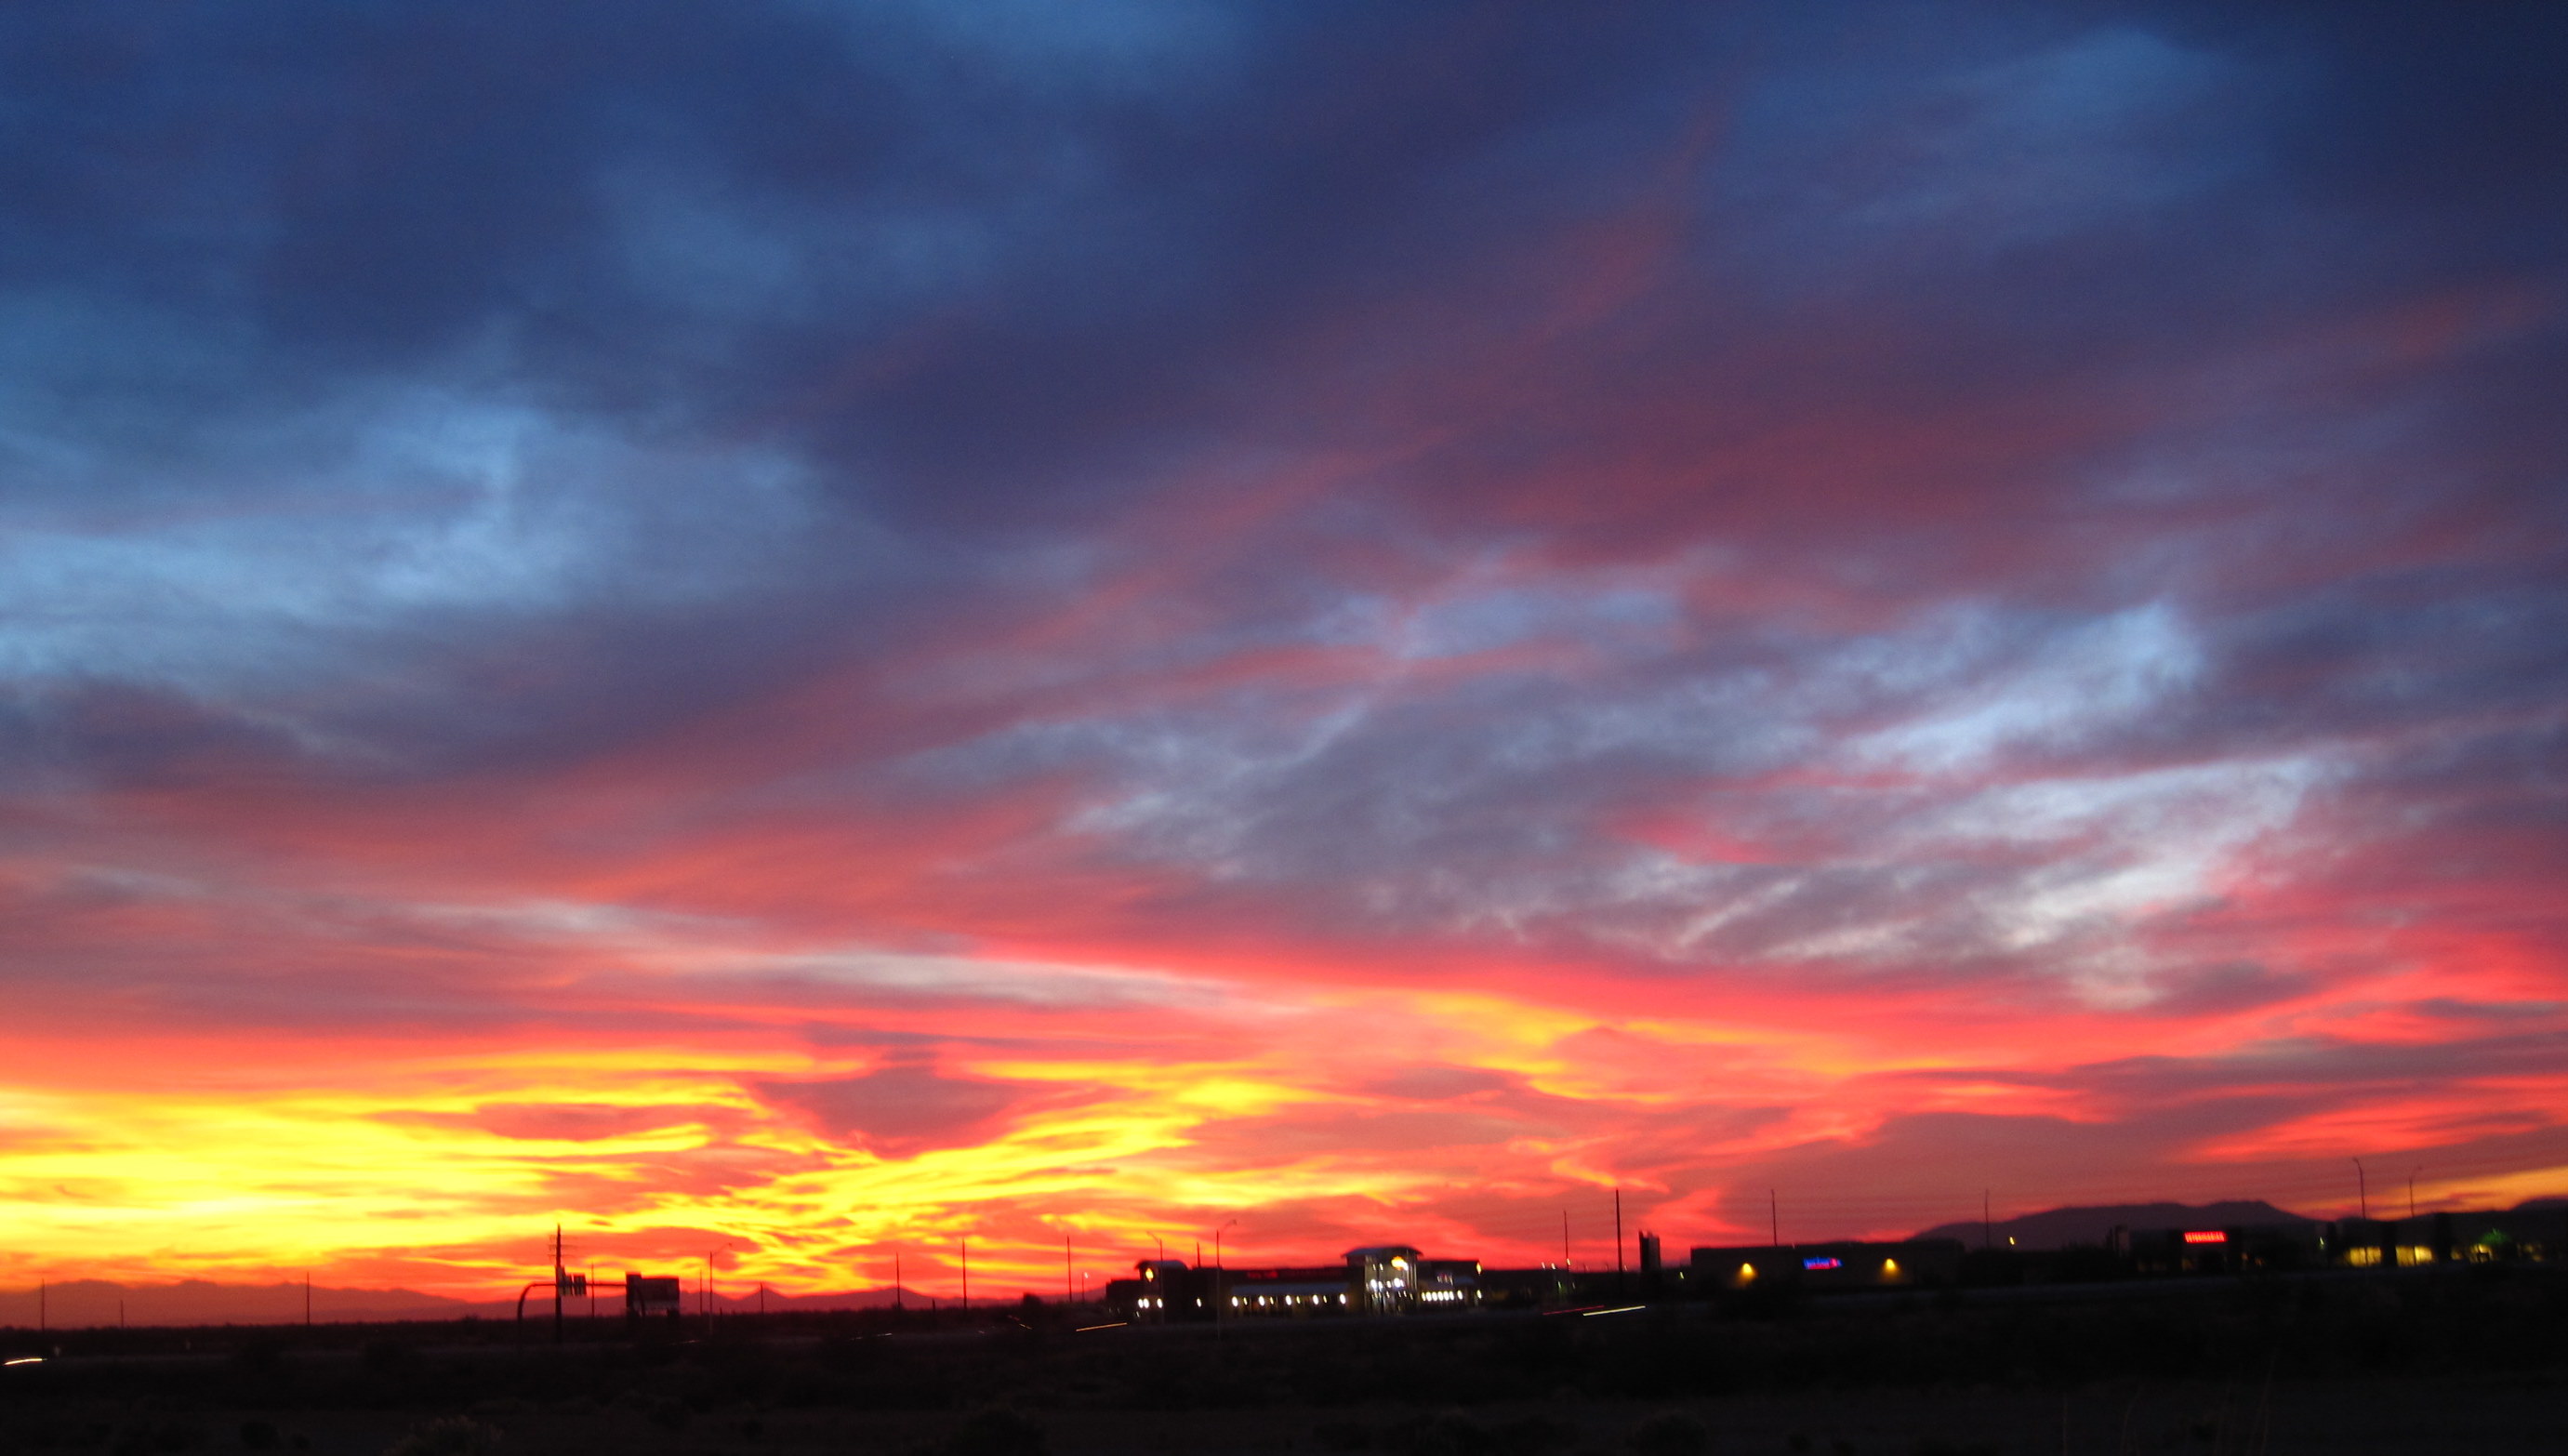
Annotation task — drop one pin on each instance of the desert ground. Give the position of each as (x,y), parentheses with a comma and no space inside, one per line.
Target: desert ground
(2470,1364)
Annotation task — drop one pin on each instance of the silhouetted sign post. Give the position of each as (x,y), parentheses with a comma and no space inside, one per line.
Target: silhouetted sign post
(646,1294)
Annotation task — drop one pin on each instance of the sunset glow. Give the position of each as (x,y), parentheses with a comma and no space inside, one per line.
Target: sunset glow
(790,635)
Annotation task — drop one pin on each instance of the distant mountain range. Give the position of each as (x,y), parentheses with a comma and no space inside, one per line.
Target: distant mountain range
(2060,1228)
(92,1303)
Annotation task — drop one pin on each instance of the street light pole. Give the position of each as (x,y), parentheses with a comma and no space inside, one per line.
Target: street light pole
(2361,1191)
(705,1289)
(1221,1285)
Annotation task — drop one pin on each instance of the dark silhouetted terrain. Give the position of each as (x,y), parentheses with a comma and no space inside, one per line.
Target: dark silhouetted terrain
(2460,1359)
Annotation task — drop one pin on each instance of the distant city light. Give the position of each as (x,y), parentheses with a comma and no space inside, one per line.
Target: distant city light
(2205,1235)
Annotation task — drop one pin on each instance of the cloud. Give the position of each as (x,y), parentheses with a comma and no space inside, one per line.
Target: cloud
(1413,614)
(1436,1083)
(570,1121)
(900,1110)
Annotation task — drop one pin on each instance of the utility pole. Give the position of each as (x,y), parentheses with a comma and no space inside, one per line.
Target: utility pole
(964,1248)
(40,1306)
(1618,1240)
(307,1303)
(895,1279)
(1987,1239)
(1773,1219)
(1069,1280)
(559,1279)
(2411,1191)
(2361,1191)
(1564,1238)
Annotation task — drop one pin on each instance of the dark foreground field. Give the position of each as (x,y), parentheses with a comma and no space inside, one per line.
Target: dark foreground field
(2462,1362)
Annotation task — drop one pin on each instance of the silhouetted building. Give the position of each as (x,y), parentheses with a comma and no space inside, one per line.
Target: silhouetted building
(2235,1248)
(1449,1283)
(1168,1292)
(1385,1279)
(1524,1288)
(1821,1266)
(1288,1292)
(2457,1236)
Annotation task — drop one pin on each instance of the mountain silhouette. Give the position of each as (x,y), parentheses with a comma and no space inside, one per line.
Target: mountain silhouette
(2060,1228)
(93,1304)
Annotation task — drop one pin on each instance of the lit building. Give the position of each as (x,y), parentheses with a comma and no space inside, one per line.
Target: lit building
(1384,1280)
(1449,1283)
(1295,1292)
(2523,1234)
(1828,1265)
(2230,1249)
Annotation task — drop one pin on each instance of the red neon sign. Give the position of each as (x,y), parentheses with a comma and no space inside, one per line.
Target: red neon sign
(2210,1236)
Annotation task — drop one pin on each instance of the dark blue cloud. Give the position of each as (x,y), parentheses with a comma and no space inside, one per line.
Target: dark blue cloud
(2146,401)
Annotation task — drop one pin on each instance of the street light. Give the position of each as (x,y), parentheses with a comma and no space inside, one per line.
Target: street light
(1221,1285)
(704,1289)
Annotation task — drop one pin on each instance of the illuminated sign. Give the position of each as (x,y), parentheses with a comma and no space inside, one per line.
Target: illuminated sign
(1821,1262)
(2205,1235)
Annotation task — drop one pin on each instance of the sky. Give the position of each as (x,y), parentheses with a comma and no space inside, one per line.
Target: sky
(792,634)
